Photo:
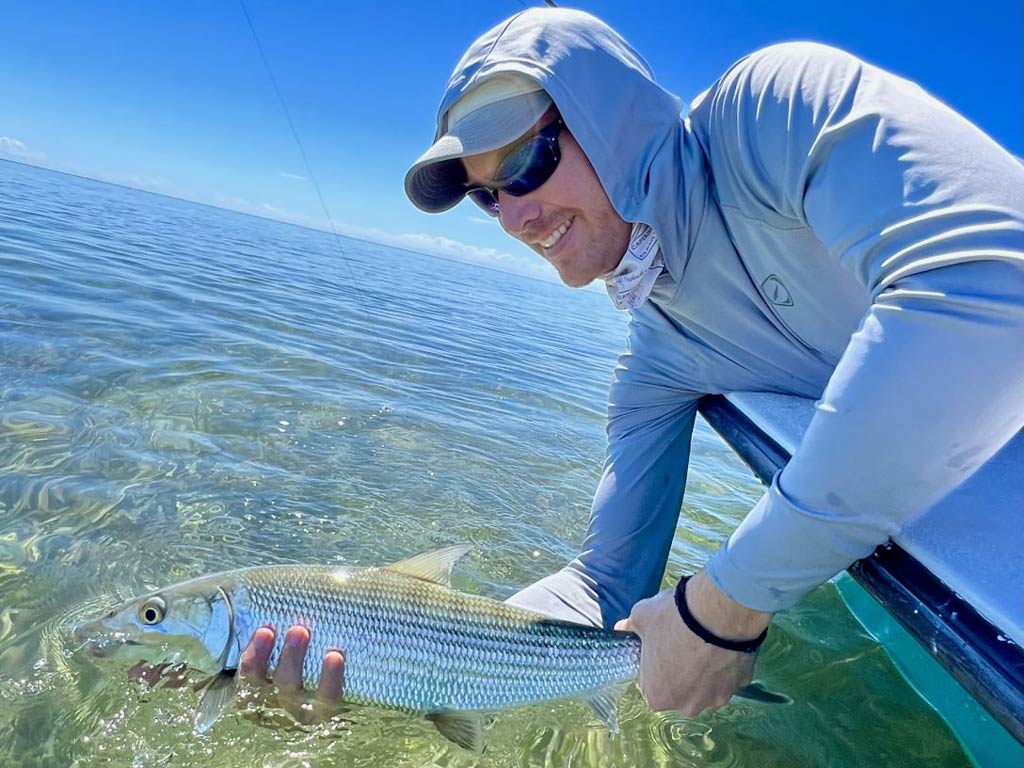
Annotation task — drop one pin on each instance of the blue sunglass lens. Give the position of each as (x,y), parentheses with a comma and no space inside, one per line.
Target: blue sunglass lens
(519,173)
(524,170)
(486,200)
(529,166)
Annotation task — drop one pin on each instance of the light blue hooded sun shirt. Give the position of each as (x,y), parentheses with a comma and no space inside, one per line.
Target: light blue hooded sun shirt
(829,230)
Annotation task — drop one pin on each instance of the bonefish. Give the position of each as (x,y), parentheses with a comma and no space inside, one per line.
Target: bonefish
(410,641)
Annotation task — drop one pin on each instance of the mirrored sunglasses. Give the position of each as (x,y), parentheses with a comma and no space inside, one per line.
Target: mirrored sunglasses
(523,169)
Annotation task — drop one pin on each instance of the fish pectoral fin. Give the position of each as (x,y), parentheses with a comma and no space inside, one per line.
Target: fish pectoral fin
(434,566)
(217,696)
(605,704)
(464,728)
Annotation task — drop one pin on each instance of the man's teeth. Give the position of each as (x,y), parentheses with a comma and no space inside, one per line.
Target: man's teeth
(555,236)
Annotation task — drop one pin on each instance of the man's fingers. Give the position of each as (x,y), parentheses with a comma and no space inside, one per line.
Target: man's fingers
(332,676)
(288,675)
(622,625)
(288,693)
(253,663)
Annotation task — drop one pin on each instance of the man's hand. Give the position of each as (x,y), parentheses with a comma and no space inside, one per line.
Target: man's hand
(306,707)
(678,670)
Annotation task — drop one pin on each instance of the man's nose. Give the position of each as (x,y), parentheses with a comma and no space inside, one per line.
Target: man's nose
(517,213)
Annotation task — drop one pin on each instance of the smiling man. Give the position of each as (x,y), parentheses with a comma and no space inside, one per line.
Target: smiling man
(814,226)
(565,217)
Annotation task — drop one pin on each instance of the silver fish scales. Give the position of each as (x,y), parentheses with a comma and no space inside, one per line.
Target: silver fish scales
(417,646)
(410,641)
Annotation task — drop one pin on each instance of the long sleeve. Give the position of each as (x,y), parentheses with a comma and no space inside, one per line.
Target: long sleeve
(636,507)
(928,213)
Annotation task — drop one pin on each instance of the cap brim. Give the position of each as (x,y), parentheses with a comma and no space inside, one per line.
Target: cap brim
(437,181)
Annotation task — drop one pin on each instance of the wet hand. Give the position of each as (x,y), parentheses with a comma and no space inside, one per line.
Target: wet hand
(305,706)
(678,670)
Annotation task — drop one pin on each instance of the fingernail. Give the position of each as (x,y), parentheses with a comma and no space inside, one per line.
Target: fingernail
(294,639)
(262,641)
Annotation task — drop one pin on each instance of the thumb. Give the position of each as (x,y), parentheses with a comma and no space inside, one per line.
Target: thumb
(634,623)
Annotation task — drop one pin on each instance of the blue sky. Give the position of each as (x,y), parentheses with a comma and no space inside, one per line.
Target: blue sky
(174,98)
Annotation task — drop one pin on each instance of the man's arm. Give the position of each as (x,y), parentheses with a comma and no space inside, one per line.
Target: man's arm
(928,213)
(636,507)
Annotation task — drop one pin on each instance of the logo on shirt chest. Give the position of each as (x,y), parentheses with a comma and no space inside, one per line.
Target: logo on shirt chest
(776,292)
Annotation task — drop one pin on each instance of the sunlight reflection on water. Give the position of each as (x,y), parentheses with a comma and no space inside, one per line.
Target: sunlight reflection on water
(188,390)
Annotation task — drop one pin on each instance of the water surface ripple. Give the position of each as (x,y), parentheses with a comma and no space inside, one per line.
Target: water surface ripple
(187,390)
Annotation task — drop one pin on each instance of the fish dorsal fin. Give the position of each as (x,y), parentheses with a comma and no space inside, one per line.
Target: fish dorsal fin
(464,728)
(605,704)
(435,566)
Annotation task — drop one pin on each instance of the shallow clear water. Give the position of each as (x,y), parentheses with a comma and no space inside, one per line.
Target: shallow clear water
(186,390)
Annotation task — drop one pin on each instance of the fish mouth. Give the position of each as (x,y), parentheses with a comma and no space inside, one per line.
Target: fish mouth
(105,648)
(99,641)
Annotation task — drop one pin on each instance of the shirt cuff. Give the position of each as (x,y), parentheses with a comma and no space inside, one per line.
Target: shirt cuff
(567,594)
(783,550)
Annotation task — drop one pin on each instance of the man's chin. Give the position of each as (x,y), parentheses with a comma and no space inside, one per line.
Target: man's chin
(575,281)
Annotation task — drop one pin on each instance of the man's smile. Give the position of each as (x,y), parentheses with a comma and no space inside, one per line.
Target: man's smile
(555,237)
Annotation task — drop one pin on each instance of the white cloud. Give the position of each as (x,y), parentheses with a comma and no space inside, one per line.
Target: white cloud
(525,264)
(149,183)
(146,182)
(16,150)
(263,210)
(273,211)
(521,264)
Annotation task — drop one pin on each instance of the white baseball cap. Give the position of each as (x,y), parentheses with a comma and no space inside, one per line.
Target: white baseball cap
(491,115)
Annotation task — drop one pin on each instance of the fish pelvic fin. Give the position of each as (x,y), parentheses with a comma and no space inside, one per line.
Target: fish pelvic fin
(464,728)
(435,566)
(216,698)
(605,703)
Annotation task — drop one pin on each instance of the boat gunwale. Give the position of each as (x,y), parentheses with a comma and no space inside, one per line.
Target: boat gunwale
(975,652)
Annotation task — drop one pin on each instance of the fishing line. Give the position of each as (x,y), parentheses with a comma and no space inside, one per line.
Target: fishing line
(298,141)
(302,151)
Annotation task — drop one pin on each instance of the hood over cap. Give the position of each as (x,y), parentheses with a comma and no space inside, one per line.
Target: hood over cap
(630,128)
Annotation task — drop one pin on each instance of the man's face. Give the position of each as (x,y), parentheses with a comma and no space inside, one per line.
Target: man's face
(568,219)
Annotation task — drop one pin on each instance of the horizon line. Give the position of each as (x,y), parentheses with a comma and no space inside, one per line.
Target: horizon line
(306,227)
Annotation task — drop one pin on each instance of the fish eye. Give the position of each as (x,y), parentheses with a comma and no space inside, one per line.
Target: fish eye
(153,610)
